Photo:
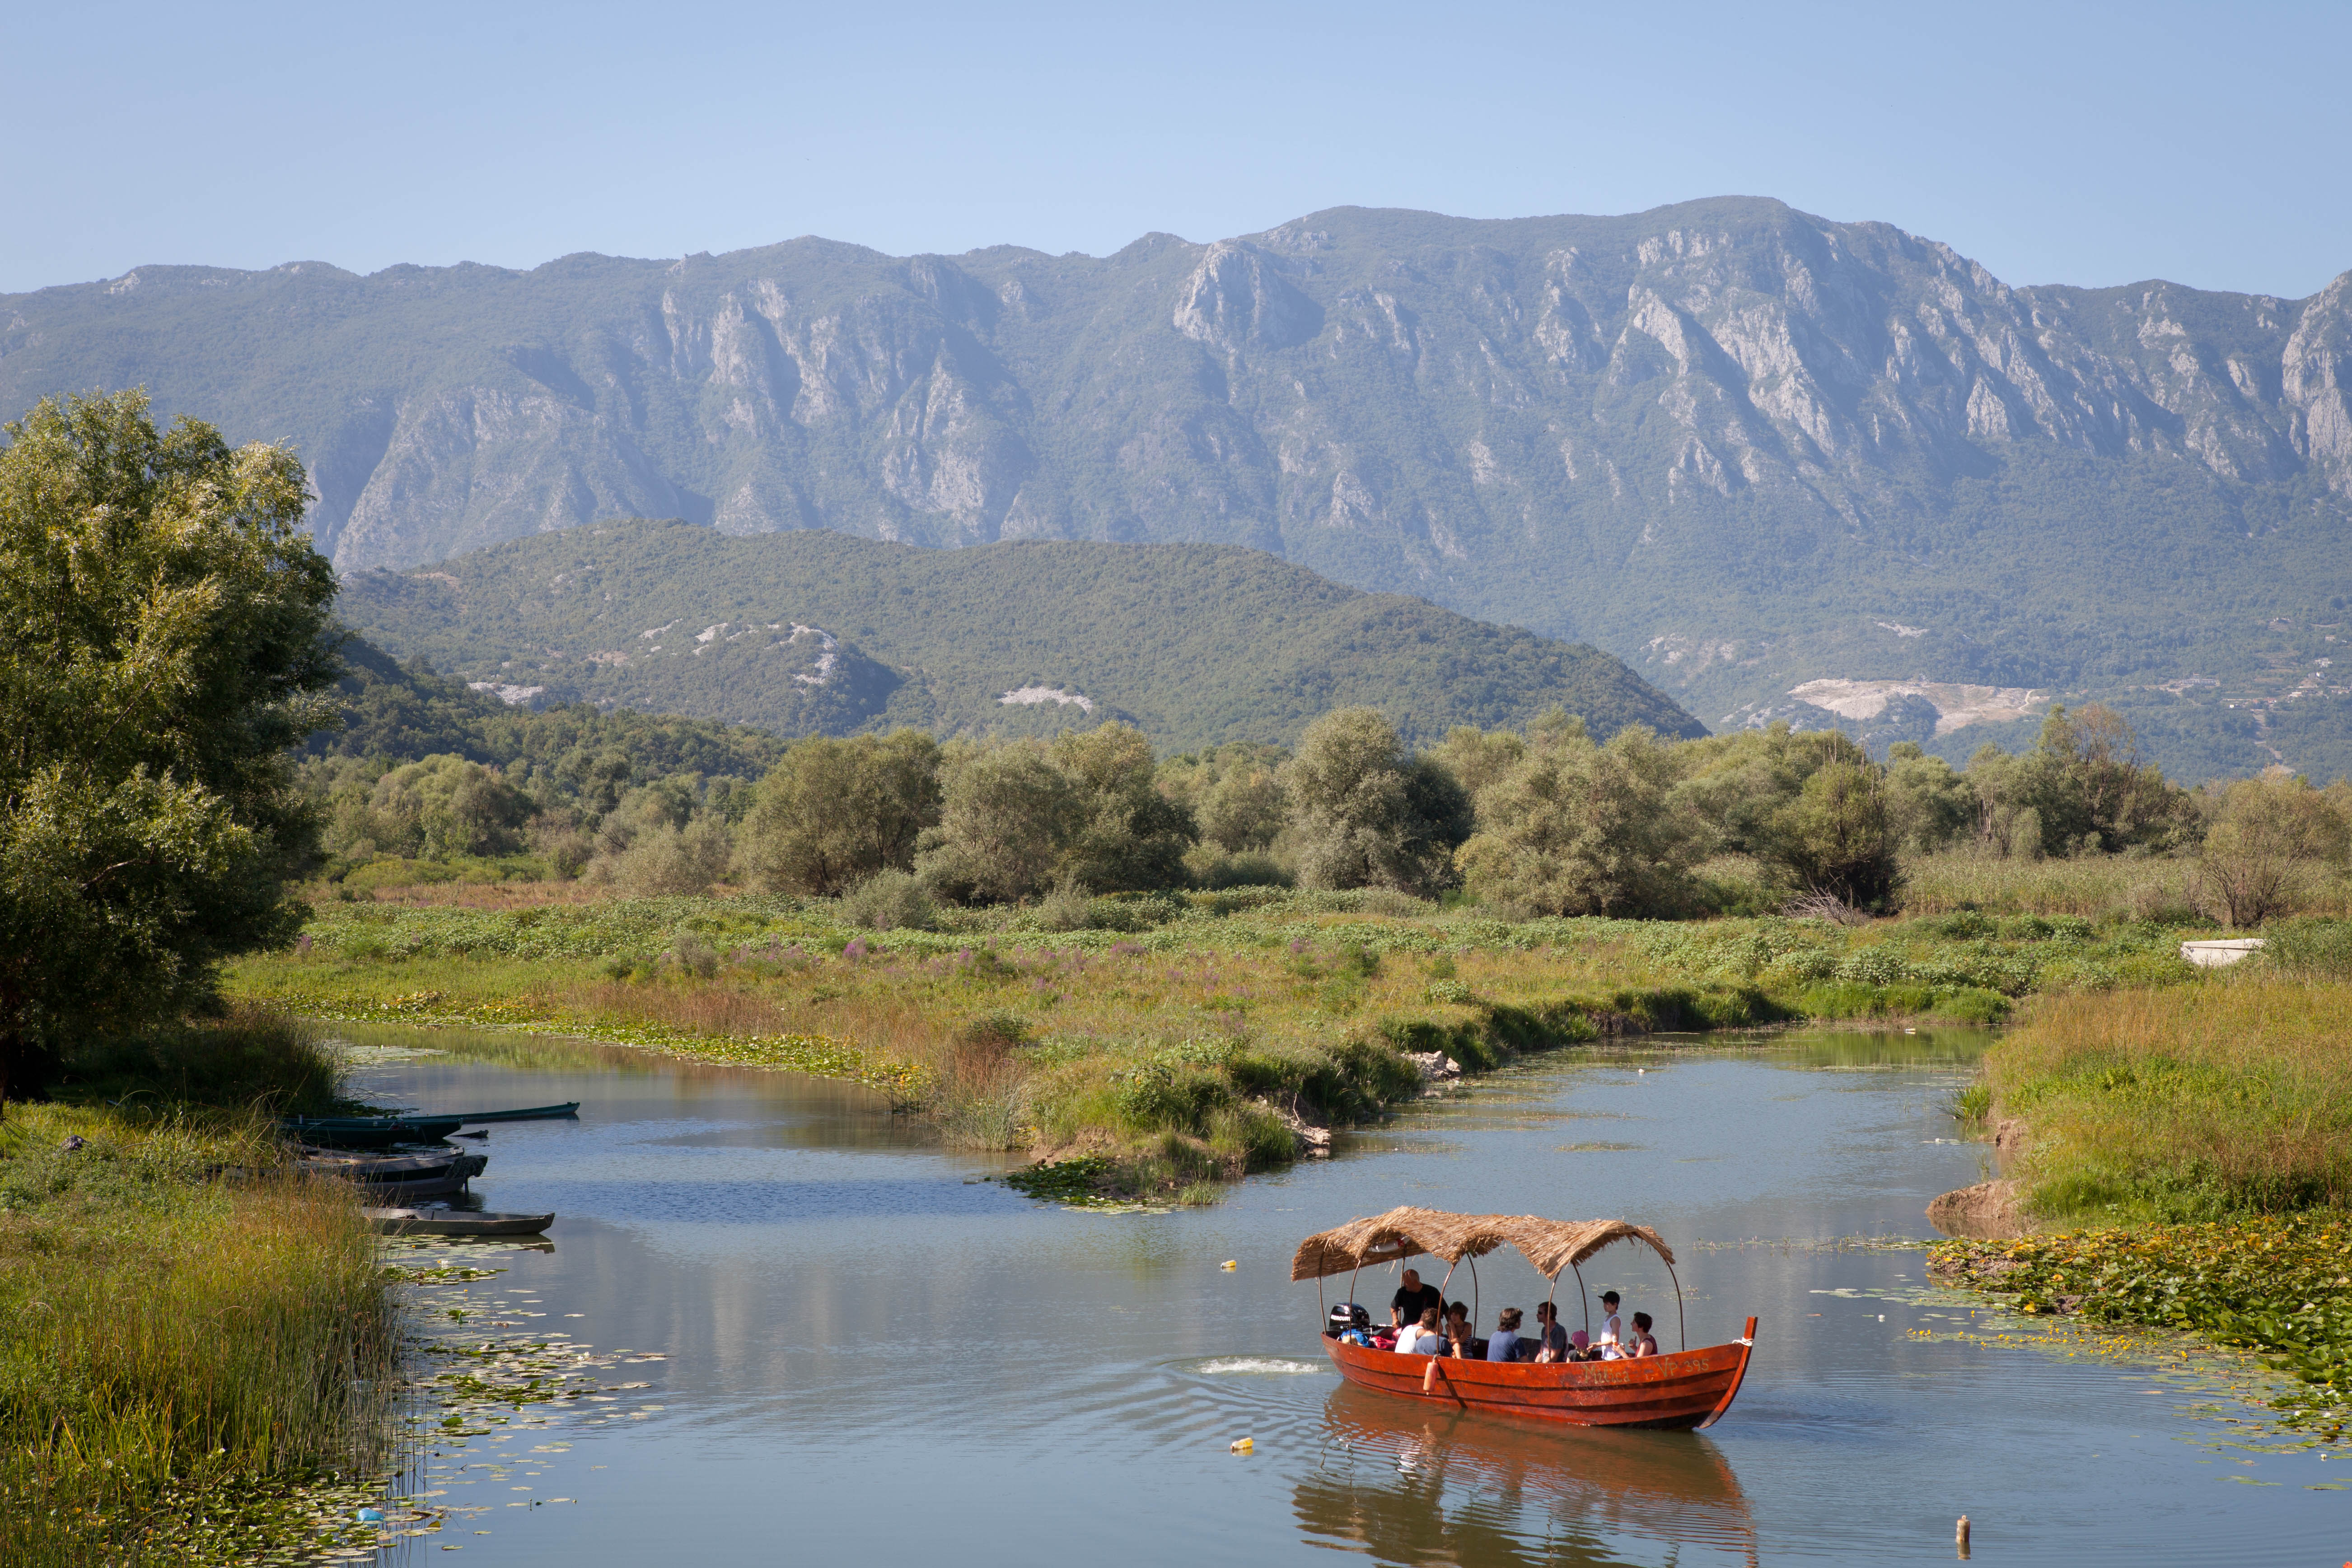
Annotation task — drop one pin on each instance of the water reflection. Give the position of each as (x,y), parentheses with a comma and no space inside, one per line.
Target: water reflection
(1424,1486)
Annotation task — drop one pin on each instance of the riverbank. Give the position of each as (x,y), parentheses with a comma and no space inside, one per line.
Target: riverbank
(195,1352)
(1174,1041)
(2187,1151)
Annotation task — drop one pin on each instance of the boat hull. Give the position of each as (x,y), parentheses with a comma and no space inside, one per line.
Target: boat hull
(568,1110)
(452,1222)
(1683,1391)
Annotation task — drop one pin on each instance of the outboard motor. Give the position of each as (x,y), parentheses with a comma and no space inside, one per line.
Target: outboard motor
(1347,1315)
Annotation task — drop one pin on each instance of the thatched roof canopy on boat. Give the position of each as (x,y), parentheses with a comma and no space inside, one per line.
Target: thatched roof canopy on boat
(1551,1244)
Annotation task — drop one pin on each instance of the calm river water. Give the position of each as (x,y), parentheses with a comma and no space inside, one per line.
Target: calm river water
(874,1356)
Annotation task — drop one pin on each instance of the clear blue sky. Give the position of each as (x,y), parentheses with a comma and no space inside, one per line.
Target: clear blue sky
(2056,143)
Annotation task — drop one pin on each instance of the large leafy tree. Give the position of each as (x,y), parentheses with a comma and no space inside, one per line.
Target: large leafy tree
(1365,813)
(163,640)
(833,813)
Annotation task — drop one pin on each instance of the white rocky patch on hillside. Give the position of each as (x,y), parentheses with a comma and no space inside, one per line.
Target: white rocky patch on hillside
(512,695)
(1030,696)
(1956,706)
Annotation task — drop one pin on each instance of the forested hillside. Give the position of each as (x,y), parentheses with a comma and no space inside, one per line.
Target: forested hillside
(815,632)
(1745,449)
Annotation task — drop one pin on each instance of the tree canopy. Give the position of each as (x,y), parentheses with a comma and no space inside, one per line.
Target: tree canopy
(164,643)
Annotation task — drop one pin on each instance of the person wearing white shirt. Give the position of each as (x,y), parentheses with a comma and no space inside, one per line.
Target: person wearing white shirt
(1611,1342)
(1421,1338)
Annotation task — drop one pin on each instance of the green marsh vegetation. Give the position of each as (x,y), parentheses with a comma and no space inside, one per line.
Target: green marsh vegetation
(1188,965)
(196,1350)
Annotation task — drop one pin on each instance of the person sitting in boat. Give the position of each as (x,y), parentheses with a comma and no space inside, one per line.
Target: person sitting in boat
(1640,1343)
(1612,1340)
(1550,1339)
(1412,1298)
(1421,1338)
(1505,1343)
(1462,1340)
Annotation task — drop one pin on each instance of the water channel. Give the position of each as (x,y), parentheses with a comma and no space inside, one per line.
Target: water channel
(873,1354)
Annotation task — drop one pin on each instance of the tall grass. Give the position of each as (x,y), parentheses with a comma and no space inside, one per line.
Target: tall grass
(2095,887)
(2200,1101)
(182,1330)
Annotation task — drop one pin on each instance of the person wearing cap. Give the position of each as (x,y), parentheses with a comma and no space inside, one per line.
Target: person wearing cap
(1611,1342)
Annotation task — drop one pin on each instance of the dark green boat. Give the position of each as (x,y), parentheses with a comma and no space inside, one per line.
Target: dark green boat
(530,1113)
(369,1131)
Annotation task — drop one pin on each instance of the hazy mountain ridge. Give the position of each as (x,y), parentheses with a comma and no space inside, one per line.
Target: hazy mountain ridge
(1726,440)
(816,632)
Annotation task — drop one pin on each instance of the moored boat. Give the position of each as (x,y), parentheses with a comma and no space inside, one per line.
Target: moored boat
(432,1174)
(452,1222)
(1681,1389)
(369,1131)
(569,1108)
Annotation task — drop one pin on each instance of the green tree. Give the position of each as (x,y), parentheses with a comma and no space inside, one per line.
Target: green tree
(1134,837)
(2273,838)
(1572,829)
(1928,803)
(1838,836)
(1006,816)
(2090,791)
(1365,814)
(164,641)
(832,814)
(437,807)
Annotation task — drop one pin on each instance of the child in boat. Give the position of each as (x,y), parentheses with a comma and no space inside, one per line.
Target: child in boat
(1640,1343)
(1421,1338)
(1461,1342)
(1504,1344)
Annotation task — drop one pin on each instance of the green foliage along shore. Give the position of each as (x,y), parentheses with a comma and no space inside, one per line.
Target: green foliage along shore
(196,1350)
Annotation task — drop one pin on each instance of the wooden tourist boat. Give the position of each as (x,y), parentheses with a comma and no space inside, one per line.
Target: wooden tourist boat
(1681,1390)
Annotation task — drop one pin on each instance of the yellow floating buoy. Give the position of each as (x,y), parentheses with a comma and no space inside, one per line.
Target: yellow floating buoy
(1230,1264)
(1243,1445)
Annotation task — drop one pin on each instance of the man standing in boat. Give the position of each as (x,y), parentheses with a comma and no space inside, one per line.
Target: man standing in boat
(1412,1298)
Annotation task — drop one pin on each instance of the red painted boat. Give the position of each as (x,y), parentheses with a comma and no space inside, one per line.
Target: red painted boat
(1682,1390)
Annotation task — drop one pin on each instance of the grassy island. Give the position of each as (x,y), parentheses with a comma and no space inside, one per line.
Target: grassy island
(1177,1039)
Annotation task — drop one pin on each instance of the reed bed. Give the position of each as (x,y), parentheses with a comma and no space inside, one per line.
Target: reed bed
(2094,887)
(2225,1097)
(189,1343)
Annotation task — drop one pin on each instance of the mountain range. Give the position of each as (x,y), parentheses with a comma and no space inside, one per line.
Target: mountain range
(1782,466)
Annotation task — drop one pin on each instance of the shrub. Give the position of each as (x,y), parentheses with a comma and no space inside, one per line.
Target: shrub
(890,901)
